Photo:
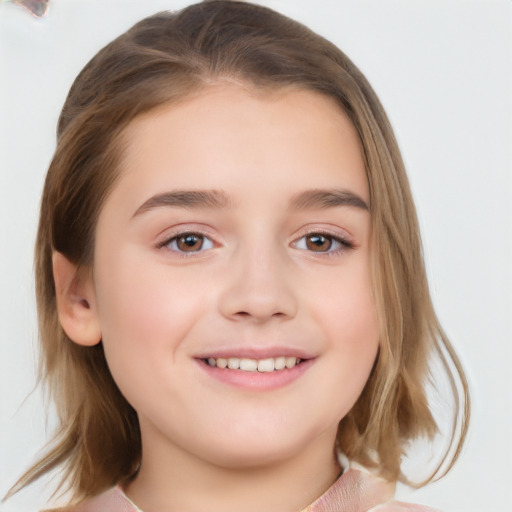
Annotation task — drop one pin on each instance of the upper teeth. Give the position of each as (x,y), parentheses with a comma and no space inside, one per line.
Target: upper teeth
(253,365)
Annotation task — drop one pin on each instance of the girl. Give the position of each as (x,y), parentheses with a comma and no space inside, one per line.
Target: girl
(233,307)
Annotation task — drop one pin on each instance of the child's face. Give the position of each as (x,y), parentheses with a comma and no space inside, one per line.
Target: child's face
(228,236)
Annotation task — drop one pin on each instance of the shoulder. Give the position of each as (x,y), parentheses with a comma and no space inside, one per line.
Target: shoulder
(399,506)
(113,500)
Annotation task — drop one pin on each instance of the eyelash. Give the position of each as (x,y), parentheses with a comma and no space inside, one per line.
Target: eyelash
(343,243)
(164,244)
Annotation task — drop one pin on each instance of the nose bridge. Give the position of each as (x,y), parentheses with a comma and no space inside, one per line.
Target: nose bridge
(259,286)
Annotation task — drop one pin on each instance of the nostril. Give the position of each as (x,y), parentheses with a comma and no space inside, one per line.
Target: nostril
(247,300)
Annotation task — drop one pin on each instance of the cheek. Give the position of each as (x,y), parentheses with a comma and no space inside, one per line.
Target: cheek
(346,309)
(353,337)
(351,331)
(144,314)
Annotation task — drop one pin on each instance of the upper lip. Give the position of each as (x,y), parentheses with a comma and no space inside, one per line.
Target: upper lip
(255,353)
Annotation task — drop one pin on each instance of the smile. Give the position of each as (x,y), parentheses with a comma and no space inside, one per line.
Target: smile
(263,373)
(271,364)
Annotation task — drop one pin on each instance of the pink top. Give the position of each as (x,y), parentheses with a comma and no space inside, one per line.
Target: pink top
(354,491)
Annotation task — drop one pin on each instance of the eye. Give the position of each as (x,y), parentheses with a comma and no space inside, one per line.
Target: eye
(188,243)
(322,243)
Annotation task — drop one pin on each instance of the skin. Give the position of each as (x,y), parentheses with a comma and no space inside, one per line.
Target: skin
(259,282)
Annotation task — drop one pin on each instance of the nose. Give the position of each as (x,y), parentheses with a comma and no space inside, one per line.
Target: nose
(259,287)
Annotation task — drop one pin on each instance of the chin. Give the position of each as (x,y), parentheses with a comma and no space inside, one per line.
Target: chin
(255,451)
(233,454)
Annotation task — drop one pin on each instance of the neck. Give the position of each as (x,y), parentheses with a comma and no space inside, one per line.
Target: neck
(171,480)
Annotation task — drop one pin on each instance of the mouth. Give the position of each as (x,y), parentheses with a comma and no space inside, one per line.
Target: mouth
(264,373)
(267,365)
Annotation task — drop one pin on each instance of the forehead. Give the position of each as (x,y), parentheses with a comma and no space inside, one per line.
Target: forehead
(231,134)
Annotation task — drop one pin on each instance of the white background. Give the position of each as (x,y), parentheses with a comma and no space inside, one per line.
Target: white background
(442,70)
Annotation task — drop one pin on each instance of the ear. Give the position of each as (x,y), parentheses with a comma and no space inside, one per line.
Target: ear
(76,306)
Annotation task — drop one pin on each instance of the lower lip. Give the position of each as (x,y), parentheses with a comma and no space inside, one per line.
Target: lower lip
(257,381)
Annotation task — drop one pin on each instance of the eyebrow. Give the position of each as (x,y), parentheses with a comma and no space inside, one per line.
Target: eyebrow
(215,199)
(330,198)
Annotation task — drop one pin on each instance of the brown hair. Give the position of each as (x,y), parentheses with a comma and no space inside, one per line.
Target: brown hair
(162,59)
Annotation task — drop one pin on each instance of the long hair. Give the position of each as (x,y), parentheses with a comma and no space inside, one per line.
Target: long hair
(161,60)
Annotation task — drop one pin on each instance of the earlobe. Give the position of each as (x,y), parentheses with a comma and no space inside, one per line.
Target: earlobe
(76,305)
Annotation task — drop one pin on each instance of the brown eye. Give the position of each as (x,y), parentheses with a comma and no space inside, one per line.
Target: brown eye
(323,243)
(189,243)
(318,243)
